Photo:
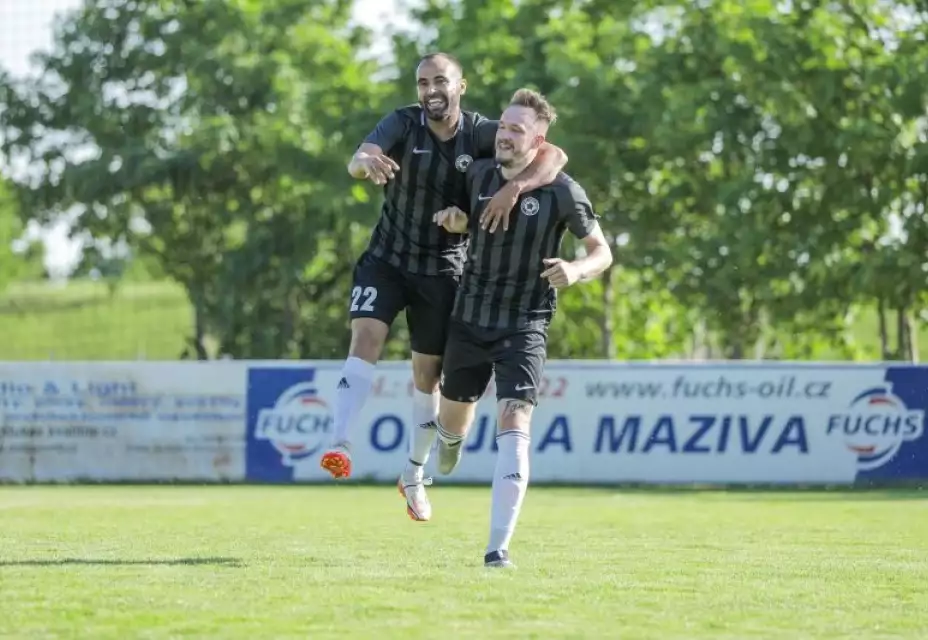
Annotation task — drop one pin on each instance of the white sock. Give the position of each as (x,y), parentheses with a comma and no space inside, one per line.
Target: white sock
(424,431)
(510,481)
(351,394)
(447,437)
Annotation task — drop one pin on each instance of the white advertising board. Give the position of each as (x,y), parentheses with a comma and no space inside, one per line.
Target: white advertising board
(596,422)
(126,421)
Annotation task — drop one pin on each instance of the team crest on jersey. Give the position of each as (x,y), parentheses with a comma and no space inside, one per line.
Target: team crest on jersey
(463,162)
(530,206)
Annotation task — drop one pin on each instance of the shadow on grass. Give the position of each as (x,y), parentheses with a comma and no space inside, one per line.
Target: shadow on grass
(226,562)
(762,493)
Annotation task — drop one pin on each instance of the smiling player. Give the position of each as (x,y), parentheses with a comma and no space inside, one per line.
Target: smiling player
(506,301)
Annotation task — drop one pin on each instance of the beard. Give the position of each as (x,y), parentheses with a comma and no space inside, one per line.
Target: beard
(436,107)
(506,154)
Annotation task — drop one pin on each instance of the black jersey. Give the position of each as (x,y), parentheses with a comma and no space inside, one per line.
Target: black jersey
(432,177)
(502,287)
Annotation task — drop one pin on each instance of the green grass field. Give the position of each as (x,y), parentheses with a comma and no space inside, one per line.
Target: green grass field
(82,321)
(344,561)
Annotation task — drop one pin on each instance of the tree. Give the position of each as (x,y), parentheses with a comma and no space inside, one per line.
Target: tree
(760,167)
(210,135)
(748,152)
(19,259)
(545,44)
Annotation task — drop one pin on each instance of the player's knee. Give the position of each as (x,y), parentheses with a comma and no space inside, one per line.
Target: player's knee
(426,372)
(367,338)
(514,415)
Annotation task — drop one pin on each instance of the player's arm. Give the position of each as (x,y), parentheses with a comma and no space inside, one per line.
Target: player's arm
(454,219)
(598,256)
(371,161)
(583,223)
(549,162)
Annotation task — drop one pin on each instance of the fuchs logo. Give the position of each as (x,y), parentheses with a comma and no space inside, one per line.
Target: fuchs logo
(297,425)
(875,426)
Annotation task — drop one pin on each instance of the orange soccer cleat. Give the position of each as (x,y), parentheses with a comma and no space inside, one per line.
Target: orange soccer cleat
(337,461)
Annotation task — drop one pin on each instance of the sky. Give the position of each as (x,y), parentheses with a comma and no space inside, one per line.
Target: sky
(25,26)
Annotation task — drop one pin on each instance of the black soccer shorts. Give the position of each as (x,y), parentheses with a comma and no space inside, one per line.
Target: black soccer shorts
(380,290)
(473,354)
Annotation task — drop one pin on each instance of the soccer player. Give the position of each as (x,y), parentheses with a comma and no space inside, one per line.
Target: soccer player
(420,153)
(505,303)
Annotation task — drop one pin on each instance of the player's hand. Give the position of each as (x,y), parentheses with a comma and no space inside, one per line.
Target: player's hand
(560,273)
(452,219)
(499,207)
(380,168)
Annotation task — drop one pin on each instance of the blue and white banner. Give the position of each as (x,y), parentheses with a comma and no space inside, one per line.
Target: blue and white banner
(596,422)
(606,422)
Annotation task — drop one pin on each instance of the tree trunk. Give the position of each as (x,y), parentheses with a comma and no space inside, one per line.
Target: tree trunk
(761,342)
(199,326)
(700,341)
(608,324)
(734,350)
(742,335)
(289,325)
(884,332)
(902,334)
(911,333)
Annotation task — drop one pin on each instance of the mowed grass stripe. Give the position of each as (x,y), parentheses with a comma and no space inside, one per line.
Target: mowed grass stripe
(308,562)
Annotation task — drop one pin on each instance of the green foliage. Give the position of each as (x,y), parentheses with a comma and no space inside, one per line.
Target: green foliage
(215,142)
(754,156)
(17,258)
(762,167)
(83,320)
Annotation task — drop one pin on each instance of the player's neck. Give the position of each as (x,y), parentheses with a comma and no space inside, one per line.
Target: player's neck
(447,127)
(515,169)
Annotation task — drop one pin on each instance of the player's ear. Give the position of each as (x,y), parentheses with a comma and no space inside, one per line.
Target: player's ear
(463,86)
(539,140)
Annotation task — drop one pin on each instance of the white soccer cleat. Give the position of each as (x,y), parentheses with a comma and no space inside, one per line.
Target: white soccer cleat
(449,455)
(418,506)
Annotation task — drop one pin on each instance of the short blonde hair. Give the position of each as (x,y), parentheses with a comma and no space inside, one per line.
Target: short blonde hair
(536,102)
